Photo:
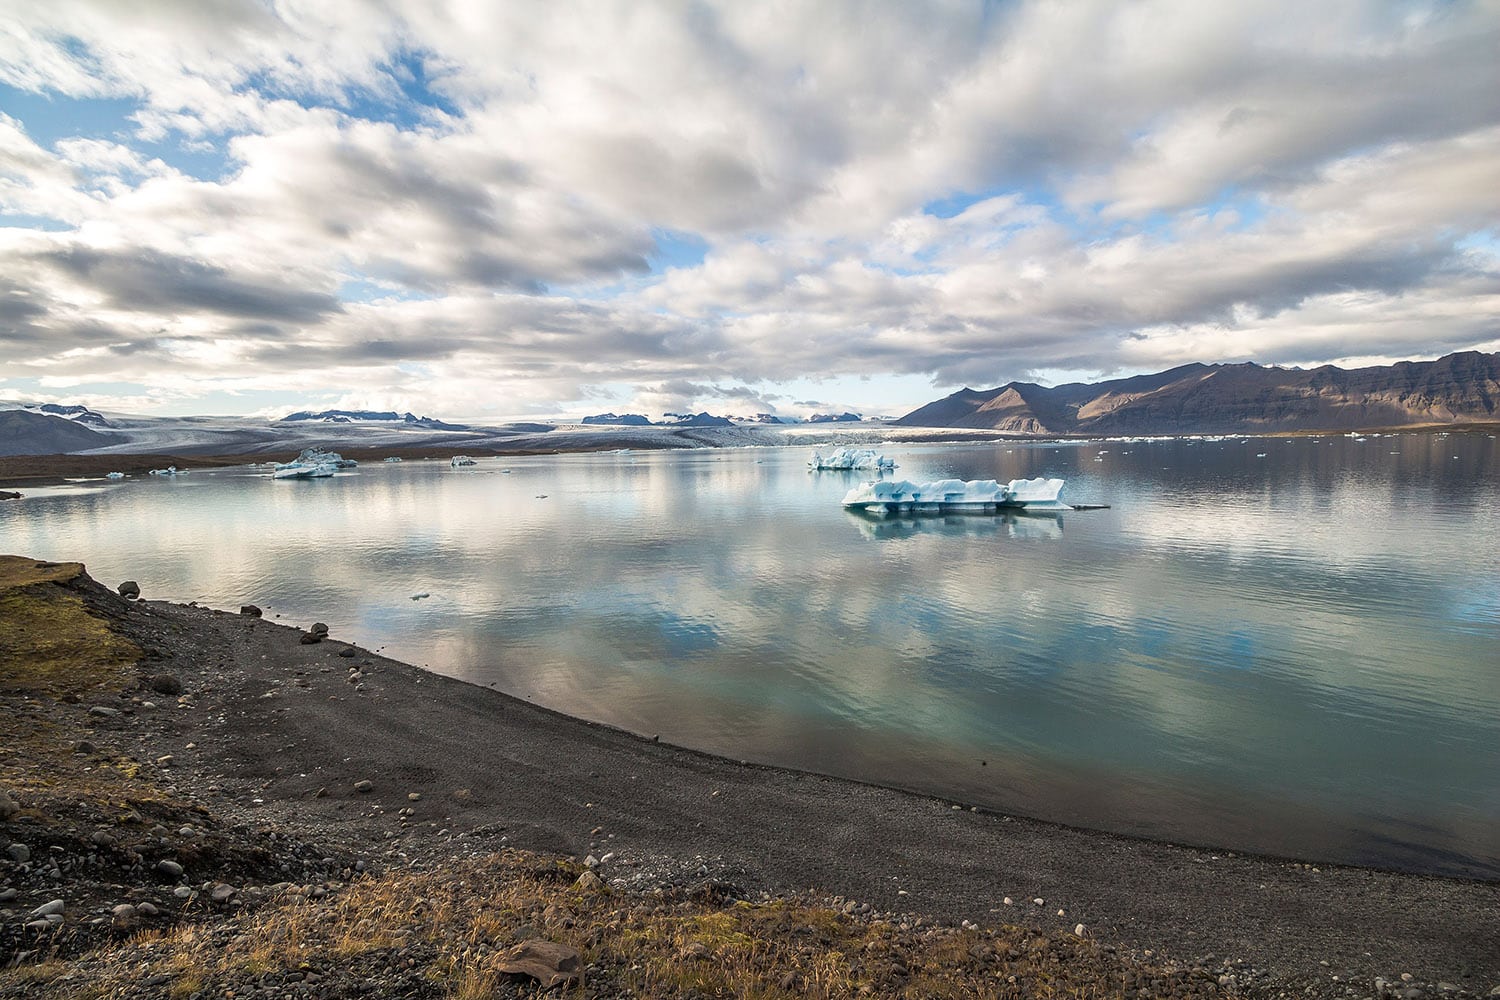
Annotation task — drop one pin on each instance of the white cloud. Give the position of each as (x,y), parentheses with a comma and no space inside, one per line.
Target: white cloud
(1133,186)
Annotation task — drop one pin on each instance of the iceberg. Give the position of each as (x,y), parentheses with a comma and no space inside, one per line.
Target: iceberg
(459,461)
(313,463)
(114,475)
(170,470)
(946,496)
(851,458)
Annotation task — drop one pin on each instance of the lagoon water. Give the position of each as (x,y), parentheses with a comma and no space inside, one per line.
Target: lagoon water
(1288,646)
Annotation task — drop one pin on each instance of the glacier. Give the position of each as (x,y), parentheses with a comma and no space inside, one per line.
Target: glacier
(980,496)
(851,458)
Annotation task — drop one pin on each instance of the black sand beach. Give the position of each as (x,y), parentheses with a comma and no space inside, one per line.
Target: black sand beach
(280,731)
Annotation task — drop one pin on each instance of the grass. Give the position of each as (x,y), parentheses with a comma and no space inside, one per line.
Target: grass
(450,928)
(50,644)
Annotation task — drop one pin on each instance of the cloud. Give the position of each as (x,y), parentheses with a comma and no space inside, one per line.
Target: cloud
(404,196)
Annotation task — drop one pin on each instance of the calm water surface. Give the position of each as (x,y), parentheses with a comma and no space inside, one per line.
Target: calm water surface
(1287,646)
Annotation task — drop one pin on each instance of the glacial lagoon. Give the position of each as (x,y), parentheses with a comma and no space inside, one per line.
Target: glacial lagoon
(1287,646)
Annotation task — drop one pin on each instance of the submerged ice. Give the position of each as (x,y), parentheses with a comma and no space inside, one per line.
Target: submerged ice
(981,496)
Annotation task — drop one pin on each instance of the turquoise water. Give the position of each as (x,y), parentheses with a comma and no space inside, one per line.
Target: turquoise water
(1286,646)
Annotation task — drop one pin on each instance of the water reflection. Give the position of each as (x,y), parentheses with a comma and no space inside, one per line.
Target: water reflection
(1291,653)
(1011,524)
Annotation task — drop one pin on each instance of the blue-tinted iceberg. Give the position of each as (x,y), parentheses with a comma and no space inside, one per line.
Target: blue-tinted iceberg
(851,458)
(982,496)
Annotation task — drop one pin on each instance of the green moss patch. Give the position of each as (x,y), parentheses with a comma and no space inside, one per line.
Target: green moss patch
(49,642)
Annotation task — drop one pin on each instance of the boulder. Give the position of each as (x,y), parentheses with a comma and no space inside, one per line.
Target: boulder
(250,609)
(129,590)
(8,806)
(318,628)
(164,684)
(550,963)
(310,638)
(7,495)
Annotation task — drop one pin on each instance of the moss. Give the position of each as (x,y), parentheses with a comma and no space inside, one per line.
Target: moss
(49,642)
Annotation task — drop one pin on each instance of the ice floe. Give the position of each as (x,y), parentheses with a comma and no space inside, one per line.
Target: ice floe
(851,458)
(981,496)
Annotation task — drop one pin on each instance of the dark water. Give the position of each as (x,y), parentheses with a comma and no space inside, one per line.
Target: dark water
(1287,646)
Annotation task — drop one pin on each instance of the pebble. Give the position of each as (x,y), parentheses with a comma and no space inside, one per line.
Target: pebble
(364,785)
(104,712)
(19,853)
(1008,901)
(1078,929)
(7,894)
(221,892)
(124,913)
(169,868)
(182,892)
(146,909)
(414,796)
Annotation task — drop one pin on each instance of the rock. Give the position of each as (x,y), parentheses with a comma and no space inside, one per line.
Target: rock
(169,868)
(250,610)
(146,909)
(9,495)
(550,963)
(101,838)
(8,893)
(318,628)
(310,639)
(182,892)
(589,882)
(221,892)
(8,806)
(365,785)
(104,711)
(129,590)
(84,746)
(124,915)
(48,909)
(164,684)
(697,951)
(1079,930)
(19,853)
(347,651)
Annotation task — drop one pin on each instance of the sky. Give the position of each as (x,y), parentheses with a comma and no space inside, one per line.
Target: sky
(472,209)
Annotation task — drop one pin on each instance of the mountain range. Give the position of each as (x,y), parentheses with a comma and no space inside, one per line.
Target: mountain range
(1234,399)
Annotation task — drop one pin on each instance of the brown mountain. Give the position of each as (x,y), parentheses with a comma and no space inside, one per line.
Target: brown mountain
(1229,399)
(25,433)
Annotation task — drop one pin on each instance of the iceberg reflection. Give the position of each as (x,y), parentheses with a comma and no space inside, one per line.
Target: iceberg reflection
(1012,524)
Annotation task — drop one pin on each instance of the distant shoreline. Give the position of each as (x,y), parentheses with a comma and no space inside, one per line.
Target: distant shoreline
(53,470)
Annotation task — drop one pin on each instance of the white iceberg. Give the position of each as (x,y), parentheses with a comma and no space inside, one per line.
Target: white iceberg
(981,496)
(170,470)
(459,461)
(851,458)
(313,463)
(114,475)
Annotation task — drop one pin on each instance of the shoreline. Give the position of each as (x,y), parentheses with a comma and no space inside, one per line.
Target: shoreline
(278,732)
(58,469)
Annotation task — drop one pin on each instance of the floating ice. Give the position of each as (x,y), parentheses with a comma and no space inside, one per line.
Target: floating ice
(114,475)
(982,496)
(313,463)
(459,461)
(851,458)
(170,470)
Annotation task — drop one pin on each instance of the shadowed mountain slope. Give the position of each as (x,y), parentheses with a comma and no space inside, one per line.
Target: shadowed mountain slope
(1243,398)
